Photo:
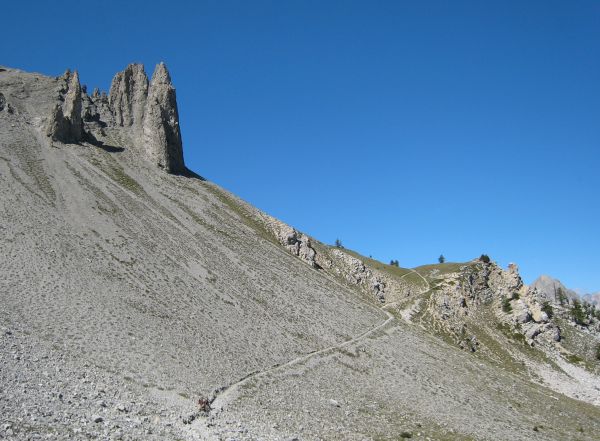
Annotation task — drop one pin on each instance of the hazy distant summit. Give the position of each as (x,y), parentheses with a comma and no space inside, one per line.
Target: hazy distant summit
(553,290)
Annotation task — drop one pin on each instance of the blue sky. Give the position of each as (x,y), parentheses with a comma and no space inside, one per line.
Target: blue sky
(406,129)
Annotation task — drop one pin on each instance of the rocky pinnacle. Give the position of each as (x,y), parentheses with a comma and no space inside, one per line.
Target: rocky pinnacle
(127,96)
(65,123)
(144,113)
(161,134)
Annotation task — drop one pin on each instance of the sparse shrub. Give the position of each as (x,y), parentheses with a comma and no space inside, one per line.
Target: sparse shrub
(575,359)
(406,435)
(484,258)
(394,263)
(516,296)
(598,352)
(561,296)
(441,259)
(517,336)
(578,313)
(547,308)
(506,306)
(338,243)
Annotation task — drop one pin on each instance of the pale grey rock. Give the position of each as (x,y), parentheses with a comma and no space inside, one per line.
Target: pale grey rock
(357,273)
(520,312)
(58,127)
(297,243)
(161,133)
(65,123)
(72,108)
(102,104)
(593,298)
(127,96)
(544,333)
(89,110)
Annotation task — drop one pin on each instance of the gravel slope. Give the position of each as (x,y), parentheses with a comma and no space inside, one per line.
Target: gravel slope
(127,294)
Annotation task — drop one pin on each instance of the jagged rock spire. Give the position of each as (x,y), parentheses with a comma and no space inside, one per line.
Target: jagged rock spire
(127,96)
(161,134)
(145,111)
(65,124)
(72,109)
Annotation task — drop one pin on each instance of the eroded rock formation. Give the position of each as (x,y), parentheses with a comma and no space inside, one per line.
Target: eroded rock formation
(142,115)
(161,134)
(127,96)
(296,243)
(66,124)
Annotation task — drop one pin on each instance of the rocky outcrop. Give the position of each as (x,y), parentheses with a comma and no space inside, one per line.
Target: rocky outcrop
(72,108)
(127,96)
(65,123)
(296,243)
(140,116)
(357,273)
(481,286)
(161,134)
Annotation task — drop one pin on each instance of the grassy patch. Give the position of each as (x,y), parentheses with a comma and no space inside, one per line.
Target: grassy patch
(575,359)
(376,264)
(115,171)
(243,214)
(440,268)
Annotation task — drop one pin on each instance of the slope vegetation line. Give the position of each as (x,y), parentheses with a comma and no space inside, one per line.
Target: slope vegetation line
(225,395)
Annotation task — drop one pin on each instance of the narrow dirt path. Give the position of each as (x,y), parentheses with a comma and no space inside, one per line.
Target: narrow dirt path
(225,395)
(414,307)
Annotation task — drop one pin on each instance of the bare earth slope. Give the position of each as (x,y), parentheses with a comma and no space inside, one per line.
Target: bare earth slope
(127,294)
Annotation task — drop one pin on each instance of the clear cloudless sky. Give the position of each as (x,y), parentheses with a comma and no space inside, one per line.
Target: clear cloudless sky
(405,128)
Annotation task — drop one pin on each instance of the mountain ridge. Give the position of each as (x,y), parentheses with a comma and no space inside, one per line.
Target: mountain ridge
(140,302)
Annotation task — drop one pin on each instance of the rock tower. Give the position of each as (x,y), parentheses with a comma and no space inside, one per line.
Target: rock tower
(127,96)
(161,134)
(66,124)
(144,113)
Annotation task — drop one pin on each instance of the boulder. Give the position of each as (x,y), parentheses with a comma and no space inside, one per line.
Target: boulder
(521,312)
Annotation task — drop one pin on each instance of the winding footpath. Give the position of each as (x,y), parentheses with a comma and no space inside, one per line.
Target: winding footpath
(225,395)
